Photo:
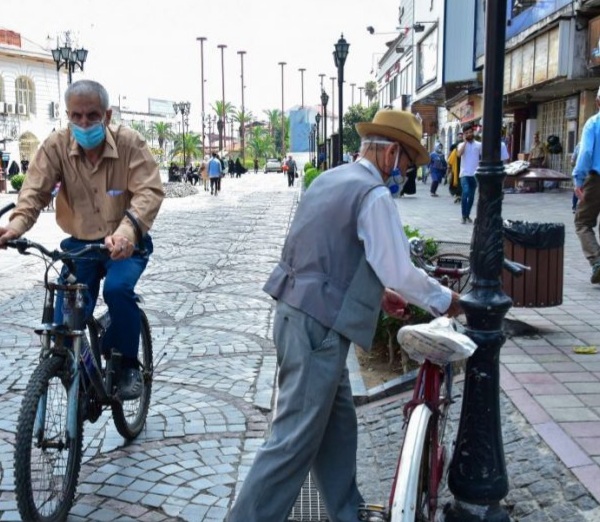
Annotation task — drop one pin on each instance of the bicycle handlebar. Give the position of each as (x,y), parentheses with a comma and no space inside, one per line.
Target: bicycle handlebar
(417,250)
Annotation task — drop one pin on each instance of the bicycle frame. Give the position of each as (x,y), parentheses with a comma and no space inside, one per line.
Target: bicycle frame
(426,406)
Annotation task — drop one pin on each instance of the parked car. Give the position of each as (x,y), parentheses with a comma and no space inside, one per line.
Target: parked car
(273,165)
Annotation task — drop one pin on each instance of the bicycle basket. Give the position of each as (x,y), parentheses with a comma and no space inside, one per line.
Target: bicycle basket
(439,341)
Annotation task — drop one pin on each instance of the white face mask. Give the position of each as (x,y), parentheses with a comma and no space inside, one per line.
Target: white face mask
(396,178)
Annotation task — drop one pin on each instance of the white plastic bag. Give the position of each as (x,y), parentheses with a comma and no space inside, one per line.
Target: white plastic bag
(440,341)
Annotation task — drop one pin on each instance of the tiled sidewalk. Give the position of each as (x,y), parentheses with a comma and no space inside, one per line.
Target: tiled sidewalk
(557,390)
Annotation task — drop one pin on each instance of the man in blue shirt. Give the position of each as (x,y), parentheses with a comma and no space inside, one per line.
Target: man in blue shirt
(586,178)
(214,173)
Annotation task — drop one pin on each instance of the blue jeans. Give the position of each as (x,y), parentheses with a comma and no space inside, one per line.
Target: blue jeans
(468,185)
(120,279)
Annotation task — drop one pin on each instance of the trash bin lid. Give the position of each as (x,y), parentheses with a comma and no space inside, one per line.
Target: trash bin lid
(539,236)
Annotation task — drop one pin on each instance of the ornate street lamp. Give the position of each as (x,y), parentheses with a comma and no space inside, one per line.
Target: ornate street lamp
(68,57)
(313,137)
(477,475)
(184,109)
(318,121)
(324,101)
(221,123)
(339,55)
(201,39)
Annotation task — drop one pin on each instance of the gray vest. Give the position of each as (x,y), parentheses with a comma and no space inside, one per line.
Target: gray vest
(323,270)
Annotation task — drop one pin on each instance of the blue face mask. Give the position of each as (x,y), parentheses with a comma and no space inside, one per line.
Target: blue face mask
(90,137)
(396,180)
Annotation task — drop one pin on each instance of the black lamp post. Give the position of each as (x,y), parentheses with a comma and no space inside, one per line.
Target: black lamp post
(317,121)
(477,476)
(69,58)
(324,101)
(339,55)
(184,109)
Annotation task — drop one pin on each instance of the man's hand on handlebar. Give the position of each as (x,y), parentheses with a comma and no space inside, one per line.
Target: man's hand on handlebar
(454,309)
(5,235)
(119,247)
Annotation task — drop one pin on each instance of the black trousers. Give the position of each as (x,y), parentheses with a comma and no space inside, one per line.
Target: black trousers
(291,176)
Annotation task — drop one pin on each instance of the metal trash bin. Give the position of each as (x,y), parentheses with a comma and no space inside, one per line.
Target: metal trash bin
(541,247)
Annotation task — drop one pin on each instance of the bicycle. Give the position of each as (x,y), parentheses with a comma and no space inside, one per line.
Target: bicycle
(422,463)
(74,381)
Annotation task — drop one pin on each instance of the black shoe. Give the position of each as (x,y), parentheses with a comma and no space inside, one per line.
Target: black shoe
(130,385)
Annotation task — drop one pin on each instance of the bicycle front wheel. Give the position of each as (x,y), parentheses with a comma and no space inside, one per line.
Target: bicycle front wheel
(47,461)
(130,416)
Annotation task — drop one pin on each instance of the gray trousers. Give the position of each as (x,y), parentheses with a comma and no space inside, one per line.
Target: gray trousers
(586,218)
(314,429)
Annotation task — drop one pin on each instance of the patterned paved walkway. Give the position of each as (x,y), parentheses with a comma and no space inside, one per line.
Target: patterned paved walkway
(212,337)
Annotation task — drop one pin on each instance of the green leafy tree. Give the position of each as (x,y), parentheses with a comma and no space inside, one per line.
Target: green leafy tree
(355,114)
(191,144)
(140,126)
(274,119)
(371,90)
(164,133)
(260,143)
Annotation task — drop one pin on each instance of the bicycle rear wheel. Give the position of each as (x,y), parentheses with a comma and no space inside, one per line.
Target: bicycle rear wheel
(47,463)
(130,416)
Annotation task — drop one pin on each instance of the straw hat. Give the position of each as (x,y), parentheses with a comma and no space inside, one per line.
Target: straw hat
(400,126)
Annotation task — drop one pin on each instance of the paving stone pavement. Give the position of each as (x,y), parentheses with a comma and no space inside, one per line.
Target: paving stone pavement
(211,329)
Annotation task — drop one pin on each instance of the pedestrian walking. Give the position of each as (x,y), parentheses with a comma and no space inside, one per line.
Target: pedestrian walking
(215,171)
(255,165)
(586,177)
(469,152)
(437,168)
(231,167)
(291,170)
(204,174)
(330,285)
(239,168)
(537,154)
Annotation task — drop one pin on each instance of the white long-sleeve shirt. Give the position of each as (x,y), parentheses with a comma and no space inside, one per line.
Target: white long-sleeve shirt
(388,252)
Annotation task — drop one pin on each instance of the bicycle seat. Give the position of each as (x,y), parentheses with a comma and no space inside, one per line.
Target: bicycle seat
(440,341)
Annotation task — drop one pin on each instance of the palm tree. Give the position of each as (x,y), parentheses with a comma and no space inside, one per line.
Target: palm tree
(243,118)
(140,126)
(192,144)
(260,143)
(274,118)
(371,90)
(222,112)
(163,132)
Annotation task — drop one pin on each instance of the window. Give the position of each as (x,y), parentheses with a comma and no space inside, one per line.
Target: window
(25,94)
(427,59)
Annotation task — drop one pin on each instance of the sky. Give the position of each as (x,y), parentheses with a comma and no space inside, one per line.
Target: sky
(142,49)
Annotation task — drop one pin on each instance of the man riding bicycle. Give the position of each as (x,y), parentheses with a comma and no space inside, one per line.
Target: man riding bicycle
(104,170)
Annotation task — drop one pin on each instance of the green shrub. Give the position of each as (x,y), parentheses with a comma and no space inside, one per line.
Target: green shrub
(310,175)
(17,181)
(308,165)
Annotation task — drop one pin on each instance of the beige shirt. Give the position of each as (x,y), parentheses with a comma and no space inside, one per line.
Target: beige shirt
(92,199)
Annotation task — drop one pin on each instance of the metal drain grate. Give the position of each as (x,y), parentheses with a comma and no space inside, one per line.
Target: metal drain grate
(308,506)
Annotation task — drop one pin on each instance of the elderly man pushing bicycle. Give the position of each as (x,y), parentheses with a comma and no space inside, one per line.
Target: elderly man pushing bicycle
(104,170)
(330,285)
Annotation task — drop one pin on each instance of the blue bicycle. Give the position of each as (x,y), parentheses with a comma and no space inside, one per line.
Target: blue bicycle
(74,381)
